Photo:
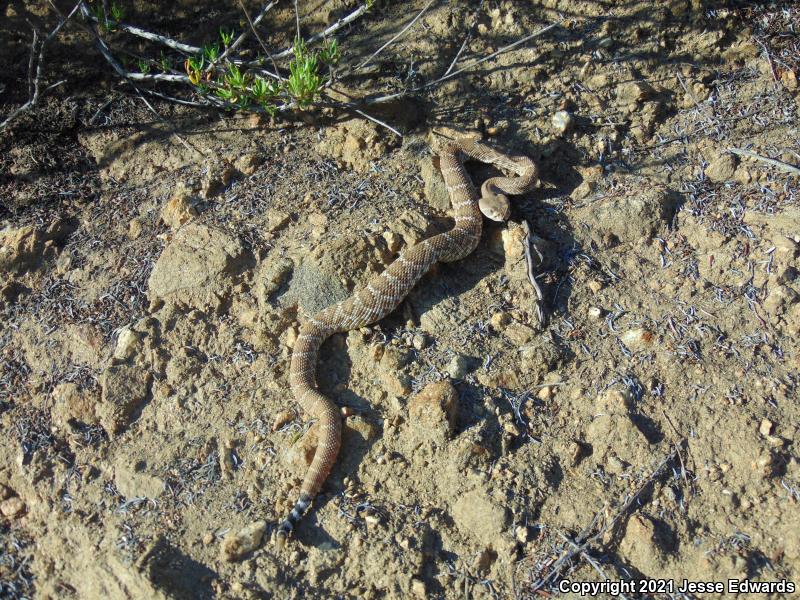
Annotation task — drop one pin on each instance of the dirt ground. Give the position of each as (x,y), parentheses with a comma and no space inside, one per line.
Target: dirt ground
(156,260)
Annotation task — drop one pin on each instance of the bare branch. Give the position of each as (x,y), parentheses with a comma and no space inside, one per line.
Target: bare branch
(374,120)
(155,37)
(332,29)
(396,37)
(778,164)
(585,540)
(502,50)
(297,18)
(430,84)
(467,38)
(34,81)
(244,34)
(529,246)
(106,52)
(276,74)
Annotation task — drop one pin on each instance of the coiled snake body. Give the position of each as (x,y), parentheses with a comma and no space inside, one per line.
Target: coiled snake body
(384,293)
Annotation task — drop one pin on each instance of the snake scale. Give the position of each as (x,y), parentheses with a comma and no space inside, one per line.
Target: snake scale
(385,291)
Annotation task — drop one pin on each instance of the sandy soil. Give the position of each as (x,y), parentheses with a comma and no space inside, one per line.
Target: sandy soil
(155,264)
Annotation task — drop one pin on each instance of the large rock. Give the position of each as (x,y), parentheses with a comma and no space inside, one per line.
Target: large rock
(433,412)
(721,168)
(125,388)
(72,403)
(133,481)
(435,405)
(314,287)
(628,218)
(356,143)
(23,248)
(435,188)
(196,265)
(641,544)
(239,544)
(477,514)
(615,439)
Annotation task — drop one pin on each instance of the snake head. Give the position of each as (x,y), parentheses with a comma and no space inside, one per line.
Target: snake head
(494,206)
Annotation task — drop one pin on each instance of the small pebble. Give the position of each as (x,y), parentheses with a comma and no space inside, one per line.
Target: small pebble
(522,533)
(575,452)
(5,492)
(419,341)
(291,337)
(281,419)
(458,366)
(595,285)
(637,339)
(595,312)
(562,121)
(12,507)
(765,428)
(236,545)
(498,320)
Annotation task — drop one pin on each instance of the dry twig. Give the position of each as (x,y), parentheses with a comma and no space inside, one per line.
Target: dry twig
(346,20)
(252,22)
(469,66)
(35,80)
(581,545)
(529,246)
(396,37)
(155,37)
(467,38)
(778,164)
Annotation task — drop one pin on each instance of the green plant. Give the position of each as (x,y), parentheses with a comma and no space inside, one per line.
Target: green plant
(164,62)
(144,66)
(117,12)
(263,91)
(97,12)
(226,94)
(305,82)
(211,52)
(107,21)
(194,68)
(330,53)
(235,78)
(226,36)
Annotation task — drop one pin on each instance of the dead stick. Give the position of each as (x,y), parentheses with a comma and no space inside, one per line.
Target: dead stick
(396,37)
(243,35)
(529,246)
(492,55)
(253,24)
(323,34)
(466,38)
(34,85)
(388,97)
(780,165)
(155,37)
(582,543)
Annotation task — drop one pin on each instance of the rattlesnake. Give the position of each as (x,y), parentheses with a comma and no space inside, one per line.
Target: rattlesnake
(384,293)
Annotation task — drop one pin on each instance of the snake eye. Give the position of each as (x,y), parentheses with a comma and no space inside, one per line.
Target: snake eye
(495,207)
